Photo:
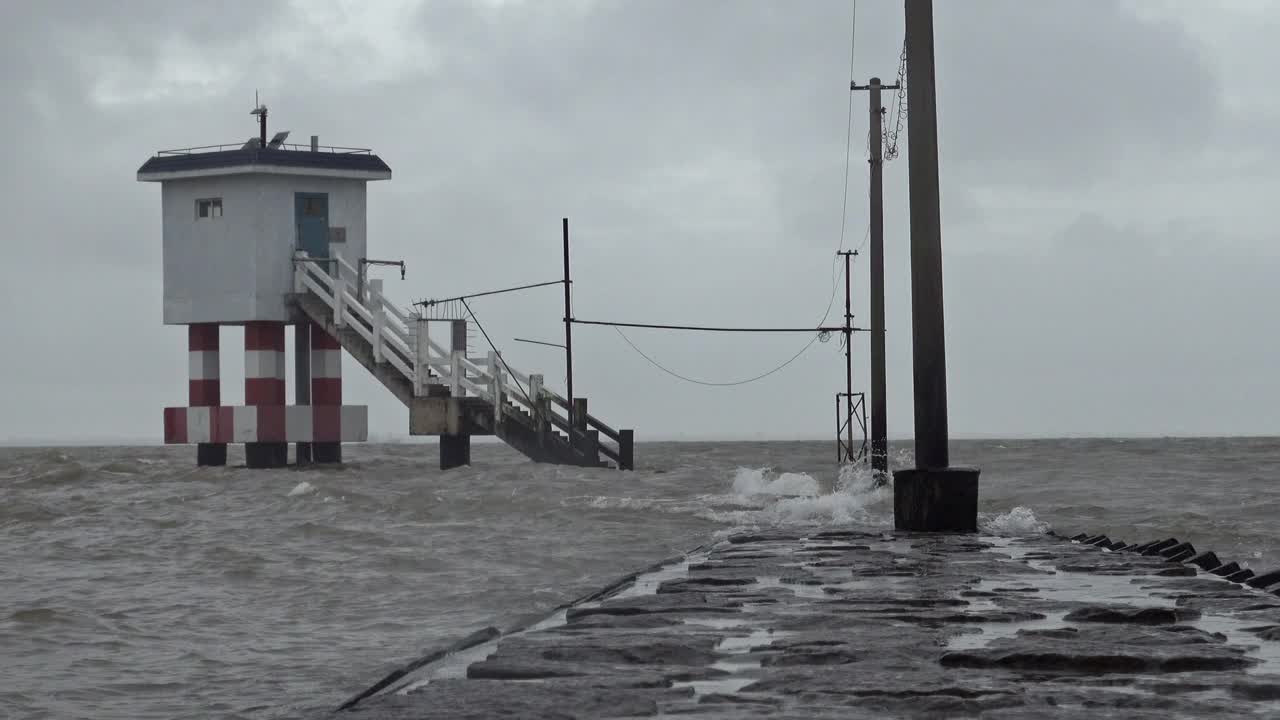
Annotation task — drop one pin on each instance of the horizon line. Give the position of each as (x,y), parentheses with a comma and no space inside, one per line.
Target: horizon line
(90,441)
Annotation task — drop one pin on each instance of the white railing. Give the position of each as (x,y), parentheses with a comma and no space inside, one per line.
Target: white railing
(402,339)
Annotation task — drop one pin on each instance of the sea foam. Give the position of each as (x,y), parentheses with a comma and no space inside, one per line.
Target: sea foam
(765,481)
(302,488)
(1018,521)
(797,499)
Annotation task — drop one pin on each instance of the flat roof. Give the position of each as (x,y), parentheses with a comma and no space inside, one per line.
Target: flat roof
(203,162)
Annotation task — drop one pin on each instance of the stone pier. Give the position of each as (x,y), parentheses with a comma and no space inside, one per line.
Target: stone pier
(864,625)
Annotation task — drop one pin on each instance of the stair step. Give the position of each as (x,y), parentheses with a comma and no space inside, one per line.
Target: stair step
(523,432)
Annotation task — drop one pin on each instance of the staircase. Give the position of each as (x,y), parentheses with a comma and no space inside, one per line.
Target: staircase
(449,392)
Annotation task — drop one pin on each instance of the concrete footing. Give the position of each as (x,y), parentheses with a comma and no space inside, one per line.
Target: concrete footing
(211,454)
(326,452)
(940,500)
(266,455)
(455,451)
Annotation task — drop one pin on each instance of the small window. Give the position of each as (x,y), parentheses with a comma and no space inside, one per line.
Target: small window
(313,207)
(208,208)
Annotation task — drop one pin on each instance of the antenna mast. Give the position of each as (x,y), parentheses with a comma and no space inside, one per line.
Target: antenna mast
(261,111)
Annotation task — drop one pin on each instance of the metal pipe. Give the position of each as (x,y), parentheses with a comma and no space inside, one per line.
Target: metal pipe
(539,342)
(361,272)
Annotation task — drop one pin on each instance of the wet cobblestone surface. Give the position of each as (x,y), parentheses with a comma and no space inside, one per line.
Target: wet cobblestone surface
(858,625)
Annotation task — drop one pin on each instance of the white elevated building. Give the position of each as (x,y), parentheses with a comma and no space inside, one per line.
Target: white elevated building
(265,235)
(234,220)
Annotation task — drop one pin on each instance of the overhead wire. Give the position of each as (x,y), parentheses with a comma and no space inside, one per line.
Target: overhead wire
(848,136)
(701,328)
(501,359)
(433,303)
(844,220)
(848,153)
(709,383)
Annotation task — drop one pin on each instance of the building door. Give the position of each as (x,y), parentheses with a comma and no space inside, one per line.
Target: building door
(311,214)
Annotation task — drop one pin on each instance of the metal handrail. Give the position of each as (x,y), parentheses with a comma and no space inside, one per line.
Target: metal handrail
(327,278)
(291,147)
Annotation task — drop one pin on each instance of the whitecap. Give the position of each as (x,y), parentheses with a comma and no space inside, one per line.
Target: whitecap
(302,488)
(1018,521)
(765,481)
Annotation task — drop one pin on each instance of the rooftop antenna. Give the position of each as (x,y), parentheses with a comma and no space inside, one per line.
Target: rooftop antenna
(261,111)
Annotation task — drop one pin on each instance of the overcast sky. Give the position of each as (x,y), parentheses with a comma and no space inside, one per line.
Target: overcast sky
(1109,182)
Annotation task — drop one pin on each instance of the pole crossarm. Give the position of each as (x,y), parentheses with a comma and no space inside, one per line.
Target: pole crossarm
(429,303)
(386,263)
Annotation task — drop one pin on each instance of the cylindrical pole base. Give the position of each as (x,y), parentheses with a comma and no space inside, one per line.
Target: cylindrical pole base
(936,500)
(263,455)
(326,452)
(211,454)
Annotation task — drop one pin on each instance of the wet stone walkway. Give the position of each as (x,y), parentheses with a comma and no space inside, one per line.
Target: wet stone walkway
(858,625)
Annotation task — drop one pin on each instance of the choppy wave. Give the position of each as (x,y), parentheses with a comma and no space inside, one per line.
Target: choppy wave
(302,488)
(38,616)
(789,498)
(22,511)
(1018,521)
(767,481)
(767,496)
(332,571)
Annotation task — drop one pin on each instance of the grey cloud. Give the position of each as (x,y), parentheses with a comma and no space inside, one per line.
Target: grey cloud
(699,150)
(1062,93)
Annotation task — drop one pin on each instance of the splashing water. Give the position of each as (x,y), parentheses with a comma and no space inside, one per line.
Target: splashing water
(1018,521)
(766,481)
(302,488)
(769,497)
(797,499)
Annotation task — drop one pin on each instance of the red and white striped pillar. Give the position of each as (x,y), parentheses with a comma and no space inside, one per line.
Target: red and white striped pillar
(204,385)
(326,396)
(264,391)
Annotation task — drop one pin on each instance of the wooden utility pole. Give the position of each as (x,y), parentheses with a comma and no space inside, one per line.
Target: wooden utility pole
(932,496)
(879,404)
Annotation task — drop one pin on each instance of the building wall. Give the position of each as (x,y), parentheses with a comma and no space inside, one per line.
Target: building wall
(239,267)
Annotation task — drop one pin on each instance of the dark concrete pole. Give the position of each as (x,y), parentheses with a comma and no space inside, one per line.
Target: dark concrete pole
(932,496)
(879,422)
(928,346)
(626,450)
(302,379)
(455,450)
